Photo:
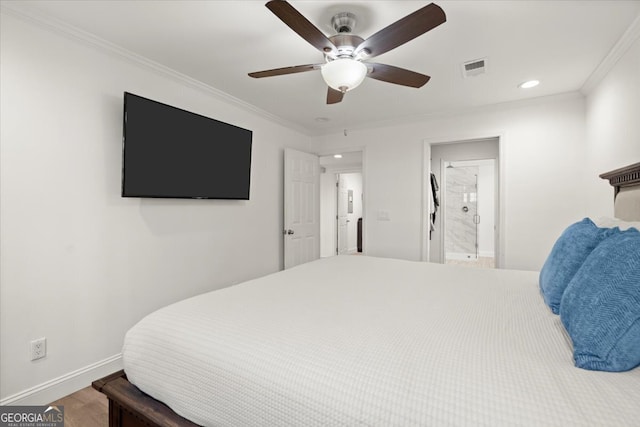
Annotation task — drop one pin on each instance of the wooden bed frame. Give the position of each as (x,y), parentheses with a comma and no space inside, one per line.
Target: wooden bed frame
(129,407)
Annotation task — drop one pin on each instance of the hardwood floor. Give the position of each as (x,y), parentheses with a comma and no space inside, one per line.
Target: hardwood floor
(85,408)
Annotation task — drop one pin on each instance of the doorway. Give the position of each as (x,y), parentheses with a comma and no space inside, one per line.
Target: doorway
(341,204)
(463,227)
(349,213)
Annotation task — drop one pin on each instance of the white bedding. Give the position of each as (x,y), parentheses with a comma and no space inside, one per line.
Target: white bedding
(355,340)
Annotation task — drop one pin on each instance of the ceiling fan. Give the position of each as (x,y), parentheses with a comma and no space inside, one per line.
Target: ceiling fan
(345,53)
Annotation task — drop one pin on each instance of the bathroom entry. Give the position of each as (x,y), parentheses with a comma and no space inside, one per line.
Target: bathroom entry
(469,214)
(349,203)
(341,204)
(458,159)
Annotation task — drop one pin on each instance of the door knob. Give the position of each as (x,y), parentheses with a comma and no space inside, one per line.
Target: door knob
(289,231)
(465,209)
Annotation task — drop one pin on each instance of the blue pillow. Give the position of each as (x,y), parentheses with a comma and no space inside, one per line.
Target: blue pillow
(601,306)
(568,253)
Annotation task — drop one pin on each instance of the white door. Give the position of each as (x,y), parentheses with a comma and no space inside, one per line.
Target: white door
(301,207)
(342,216)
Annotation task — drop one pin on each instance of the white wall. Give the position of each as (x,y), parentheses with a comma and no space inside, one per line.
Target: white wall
(613,125)
(80,265)
(544,190)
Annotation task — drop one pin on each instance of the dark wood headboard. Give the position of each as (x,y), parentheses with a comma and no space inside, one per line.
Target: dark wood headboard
(623,177)
(626,191)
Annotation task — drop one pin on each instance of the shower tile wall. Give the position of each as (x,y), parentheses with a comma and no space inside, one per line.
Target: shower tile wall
(461,191)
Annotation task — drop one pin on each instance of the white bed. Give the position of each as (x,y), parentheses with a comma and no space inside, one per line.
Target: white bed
(361,341)
(355,340)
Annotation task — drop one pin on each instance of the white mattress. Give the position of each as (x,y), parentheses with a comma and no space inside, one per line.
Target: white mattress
(354,340)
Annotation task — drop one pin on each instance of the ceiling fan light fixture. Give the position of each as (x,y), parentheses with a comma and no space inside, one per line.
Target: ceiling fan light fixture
(344,74)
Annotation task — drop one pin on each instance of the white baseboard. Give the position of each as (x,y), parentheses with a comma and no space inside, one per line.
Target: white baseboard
(64,385)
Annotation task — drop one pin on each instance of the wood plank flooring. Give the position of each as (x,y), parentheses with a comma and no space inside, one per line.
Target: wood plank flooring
(85,408)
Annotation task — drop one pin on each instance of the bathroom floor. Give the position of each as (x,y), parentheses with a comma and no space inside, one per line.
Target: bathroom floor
(481,262)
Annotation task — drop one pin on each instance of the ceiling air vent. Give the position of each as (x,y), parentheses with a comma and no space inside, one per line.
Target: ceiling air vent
(474,68)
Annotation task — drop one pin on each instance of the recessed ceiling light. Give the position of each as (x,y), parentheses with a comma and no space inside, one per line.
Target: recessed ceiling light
(529,84)
(322,119)
(337,156)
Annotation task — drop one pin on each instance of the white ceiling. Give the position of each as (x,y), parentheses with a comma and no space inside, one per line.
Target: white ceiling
(559,43)
(351,159)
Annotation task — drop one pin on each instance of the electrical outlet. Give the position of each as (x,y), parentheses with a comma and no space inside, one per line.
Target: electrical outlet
(38,348)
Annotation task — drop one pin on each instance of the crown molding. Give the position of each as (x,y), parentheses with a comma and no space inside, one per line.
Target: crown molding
(49,23)
(619,49)
(500,106)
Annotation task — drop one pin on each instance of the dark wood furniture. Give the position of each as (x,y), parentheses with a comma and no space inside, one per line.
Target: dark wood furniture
(129,407)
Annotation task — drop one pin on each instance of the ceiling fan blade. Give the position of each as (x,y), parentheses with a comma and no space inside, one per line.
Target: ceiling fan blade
(301,25)
(399,76)
(402,31)
(334,96)
(285,70)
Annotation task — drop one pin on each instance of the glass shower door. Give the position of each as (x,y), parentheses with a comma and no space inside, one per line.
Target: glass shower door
(461,212)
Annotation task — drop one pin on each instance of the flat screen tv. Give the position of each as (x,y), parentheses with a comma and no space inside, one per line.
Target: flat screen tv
(172,153)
